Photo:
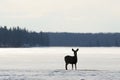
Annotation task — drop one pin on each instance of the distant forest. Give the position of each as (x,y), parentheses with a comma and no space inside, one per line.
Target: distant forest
(85,39)
(17,37)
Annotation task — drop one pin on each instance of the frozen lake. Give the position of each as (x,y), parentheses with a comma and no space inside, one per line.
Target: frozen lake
(48,63)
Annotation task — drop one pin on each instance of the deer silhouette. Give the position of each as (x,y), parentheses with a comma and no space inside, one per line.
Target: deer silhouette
(71,59)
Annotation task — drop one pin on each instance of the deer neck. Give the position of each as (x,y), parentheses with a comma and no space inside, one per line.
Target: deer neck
(75,55)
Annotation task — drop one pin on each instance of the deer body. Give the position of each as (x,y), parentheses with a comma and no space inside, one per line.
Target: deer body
(71,59)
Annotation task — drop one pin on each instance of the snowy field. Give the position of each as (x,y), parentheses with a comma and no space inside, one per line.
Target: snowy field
(58,75)
(48,64)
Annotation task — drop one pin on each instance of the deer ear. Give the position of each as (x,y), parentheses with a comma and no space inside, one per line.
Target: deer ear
(77,49)
(73,50)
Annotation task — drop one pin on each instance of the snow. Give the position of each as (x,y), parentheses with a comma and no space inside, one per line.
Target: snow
(58,75)
(48,64)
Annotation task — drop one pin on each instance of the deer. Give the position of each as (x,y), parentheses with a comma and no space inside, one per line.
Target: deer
(71,59)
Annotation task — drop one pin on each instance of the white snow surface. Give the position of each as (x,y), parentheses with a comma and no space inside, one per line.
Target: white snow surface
(48,64)
(58,75)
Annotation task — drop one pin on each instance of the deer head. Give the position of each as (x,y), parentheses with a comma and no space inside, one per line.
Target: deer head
(75,51)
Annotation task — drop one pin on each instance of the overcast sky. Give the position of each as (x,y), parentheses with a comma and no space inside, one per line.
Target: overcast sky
(62,15)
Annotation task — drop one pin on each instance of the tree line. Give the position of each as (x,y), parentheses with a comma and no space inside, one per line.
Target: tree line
(85,39)
(17,37)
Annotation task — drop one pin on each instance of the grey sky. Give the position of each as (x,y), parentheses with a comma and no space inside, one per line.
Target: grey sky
(62,15)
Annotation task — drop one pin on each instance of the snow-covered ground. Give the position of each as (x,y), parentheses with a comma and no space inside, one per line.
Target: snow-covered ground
(48,64)
(58,75)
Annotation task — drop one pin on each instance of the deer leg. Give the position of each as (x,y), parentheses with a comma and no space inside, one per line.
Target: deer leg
(66,66)
(72,66)
(75,67)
